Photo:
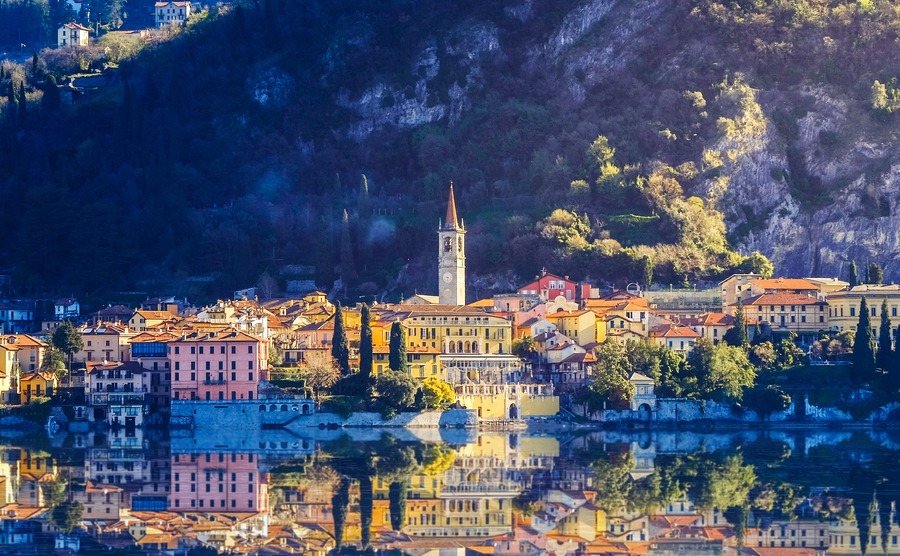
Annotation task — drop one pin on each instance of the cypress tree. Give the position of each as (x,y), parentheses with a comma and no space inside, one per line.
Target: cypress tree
(397,356)
(884,354)
(34,64)
(23,102)
(340,349)
(863,347)
(874,274)
(348,267)
(51,99)
(365,346)
(740,325)
(851,275)
(11,100)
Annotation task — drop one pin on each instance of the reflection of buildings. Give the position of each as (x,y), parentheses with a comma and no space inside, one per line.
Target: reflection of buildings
(217,482)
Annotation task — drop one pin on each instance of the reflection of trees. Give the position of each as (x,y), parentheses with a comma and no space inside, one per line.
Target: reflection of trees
(339,504)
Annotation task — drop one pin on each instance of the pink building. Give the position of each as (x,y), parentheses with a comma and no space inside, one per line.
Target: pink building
(217,365)
(217,483)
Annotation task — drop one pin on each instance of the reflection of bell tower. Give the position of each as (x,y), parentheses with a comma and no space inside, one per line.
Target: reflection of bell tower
(451,257)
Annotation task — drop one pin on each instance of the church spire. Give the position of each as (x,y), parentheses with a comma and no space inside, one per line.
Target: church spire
(451,221)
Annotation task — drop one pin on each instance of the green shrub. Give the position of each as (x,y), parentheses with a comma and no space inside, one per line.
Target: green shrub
(339,406)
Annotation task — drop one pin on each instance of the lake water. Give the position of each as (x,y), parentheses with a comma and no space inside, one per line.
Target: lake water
(454,492)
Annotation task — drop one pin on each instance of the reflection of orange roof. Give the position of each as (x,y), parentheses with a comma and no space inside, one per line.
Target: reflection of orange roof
(777,551)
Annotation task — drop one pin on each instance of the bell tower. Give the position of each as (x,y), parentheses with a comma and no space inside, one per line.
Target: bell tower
(451,257)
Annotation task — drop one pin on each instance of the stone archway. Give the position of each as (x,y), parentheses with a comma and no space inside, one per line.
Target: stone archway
(644,412)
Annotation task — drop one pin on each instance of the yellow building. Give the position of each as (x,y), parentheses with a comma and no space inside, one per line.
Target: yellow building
(31,350)
(843,306)
(455,329)
(580,326)
(787,312)
(143,320)
(508,401)
(674,336)
(37,384)
(620,316)
(424,362)
(711,326)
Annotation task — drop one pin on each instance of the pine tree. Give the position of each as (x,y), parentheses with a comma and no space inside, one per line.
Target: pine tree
(365,346)
(884,355)
(863,347)
(397,356)
(851,275)
(340,349)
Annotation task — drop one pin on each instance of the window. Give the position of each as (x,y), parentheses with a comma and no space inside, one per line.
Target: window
(193,350)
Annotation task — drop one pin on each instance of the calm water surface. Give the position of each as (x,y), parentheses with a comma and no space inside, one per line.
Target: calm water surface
(452,492)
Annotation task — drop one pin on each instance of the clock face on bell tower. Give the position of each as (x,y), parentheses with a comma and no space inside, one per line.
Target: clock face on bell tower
(452,257)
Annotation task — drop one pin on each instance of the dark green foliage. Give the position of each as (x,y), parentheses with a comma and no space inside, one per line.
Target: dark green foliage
(863,347)
(51,99)
(340,347)
(67,340)
(884,355)
(397,390)
(67,515)
(766,400)
(874,274)
(397,359)
(737,334)
(851,275)
(365,345)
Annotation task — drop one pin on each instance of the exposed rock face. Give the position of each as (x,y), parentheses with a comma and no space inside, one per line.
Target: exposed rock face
(386,104)
(814,236)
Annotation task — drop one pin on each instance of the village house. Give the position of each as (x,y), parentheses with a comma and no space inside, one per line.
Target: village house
(31,350)
(711,326)
(549,286)
(151,351)
(115,314)
(66,308)
(423,362)
(104,342)
(217,365)
(117,393)
(9,372)
(674,336)
(16,317)
(619,315)
(145,319)
(799,313)
(217,483)
(37,384)
(580,326)
(172,13)
(72,34)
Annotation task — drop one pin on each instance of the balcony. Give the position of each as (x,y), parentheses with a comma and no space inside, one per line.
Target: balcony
(214,382)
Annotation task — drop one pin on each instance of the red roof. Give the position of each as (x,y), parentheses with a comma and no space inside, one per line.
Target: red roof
(784,299)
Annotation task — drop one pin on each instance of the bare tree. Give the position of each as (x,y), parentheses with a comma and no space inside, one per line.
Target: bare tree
(321,375)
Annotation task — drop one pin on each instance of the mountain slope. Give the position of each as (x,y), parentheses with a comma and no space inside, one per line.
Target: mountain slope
(604,139)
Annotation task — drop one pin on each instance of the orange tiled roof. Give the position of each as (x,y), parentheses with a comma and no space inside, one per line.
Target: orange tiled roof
(784,284)
(672,331)
(783,299)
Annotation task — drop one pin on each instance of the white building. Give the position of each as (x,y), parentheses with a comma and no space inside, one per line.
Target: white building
(172,13)
(72,34)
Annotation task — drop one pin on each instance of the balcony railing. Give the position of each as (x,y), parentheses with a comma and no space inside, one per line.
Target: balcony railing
(215,381)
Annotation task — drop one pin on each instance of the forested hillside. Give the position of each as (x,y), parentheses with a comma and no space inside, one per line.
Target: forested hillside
(611,140)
